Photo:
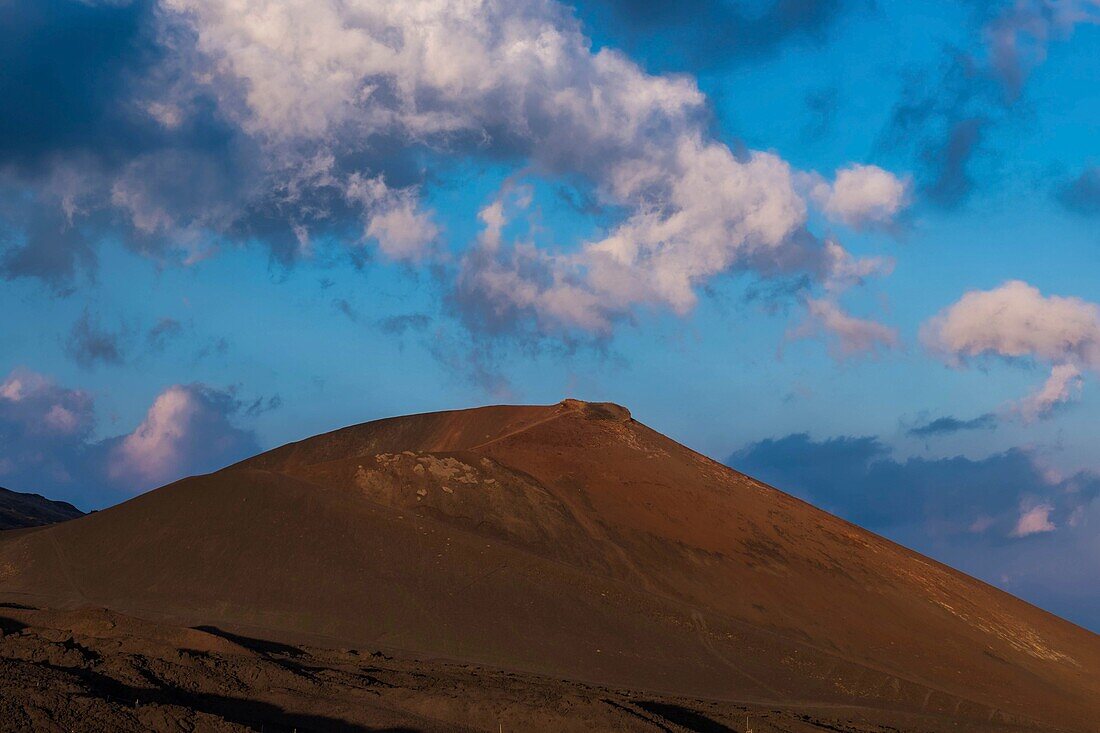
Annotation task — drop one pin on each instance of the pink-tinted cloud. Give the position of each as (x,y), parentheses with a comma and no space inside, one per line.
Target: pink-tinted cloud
(48,442)
(44,429)
(38,406)
(1018,37)
(850,336)
(1034,520)
(1062,386)
(1016,321)
(862,196)
(186,430)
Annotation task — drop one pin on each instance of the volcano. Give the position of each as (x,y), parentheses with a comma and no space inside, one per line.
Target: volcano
(570,542)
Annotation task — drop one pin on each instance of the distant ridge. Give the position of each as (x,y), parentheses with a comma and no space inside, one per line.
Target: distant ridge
(569,541)
(18,510)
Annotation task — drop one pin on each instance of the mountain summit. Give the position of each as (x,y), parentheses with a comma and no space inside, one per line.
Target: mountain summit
(569,541)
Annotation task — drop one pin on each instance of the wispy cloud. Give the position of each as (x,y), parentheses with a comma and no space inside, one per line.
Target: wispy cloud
(945,116)
(1081,195)
(89,344)
(163,331)
(948,425)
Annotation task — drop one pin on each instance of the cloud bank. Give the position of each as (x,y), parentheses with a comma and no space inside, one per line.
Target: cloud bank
(519,79)
(299,124)
(1003,518)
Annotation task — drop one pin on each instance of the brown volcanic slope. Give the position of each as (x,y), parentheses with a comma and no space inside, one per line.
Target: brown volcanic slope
(573,542)
(31,510)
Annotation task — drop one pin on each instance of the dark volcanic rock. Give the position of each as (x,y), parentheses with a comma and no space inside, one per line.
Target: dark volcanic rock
(31,510)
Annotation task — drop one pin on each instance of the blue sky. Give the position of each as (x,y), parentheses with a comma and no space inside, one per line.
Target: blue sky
(221,231)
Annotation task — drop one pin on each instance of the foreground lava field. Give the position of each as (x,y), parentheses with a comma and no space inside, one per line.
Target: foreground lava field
(95,670)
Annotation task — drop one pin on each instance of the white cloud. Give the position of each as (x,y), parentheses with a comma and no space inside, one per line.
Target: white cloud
(1015,321)
(844,271)
(287,123)
(186,429)
(861,196)
(154,450)
(294,70)
(402,230)
(1034,520)
(520,78)
(1063,385)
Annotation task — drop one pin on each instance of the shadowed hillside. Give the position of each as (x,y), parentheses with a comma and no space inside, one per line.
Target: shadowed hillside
(31,510)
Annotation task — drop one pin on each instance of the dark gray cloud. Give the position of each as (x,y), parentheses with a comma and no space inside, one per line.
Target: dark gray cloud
(402,324)
(89,344)
(1081,195)
(942,118)
(821,108)
(948,425)
(163,332)
(343,305)
(1002,518)
(856,478)
(38,241)
(77,134)
(705,34)
(946,116)
(948,161)
(260,405)
(65,66)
